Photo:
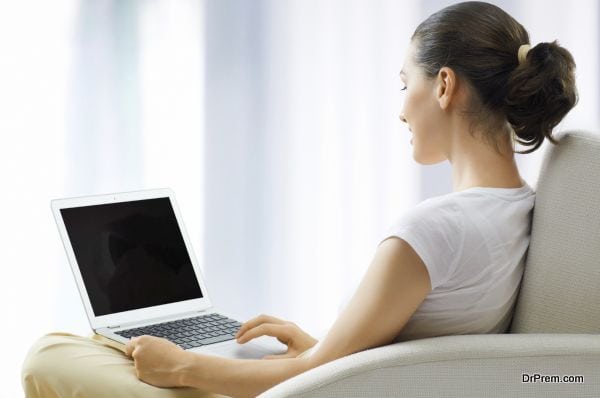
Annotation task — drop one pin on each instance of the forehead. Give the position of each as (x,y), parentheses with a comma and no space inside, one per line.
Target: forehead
(408,64)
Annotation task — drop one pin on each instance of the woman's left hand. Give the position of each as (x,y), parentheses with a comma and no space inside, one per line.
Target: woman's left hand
(157,361)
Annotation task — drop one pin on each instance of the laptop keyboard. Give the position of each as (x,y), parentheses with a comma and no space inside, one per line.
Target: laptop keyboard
(190,332)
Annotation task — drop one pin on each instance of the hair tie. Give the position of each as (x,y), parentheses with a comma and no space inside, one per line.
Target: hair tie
(522,54)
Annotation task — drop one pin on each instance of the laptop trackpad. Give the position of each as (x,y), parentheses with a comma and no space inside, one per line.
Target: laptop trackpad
(251,350)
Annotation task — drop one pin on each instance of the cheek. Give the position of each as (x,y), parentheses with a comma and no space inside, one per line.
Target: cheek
(408,110)
(414,109)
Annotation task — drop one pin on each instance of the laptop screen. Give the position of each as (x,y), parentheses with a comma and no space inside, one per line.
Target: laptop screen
(131,255)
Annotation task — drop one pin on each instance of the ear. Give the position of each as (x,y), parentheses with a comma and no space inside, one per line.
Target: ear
(446,87)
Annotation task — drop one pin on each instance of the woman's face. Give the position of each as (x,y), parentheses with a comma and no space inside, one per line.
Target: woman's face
(422,113)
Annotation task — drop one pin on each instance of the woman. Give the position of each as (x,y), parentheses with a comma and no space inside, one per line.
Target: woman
(450,266)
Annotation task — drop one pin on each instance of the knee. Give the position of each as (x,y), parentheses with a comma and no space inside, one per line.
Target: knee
(41,365)
(33,369)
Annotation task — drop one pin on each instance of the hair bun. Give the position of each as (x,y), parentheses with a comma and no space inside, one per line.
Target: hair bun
(540,92)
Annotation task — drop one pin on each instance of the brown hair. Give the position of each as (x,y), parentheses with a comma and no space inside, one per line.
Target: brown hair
(480,43)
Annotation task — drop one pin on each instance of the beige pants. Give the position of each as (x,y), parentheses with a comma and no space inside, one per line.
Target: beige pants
(65,365)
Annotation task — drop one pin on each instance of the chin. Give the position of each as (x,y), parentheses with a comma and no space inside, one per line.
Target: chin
(427,160)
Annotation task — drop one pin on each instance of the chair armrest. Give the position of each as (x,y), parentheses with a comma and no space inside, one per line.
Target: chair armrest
(491,365)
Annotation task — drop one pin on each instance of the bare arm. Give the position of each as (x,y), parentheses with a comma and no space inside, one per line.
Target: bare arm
(241,377)
(392,289)
(394,286)
(163,364)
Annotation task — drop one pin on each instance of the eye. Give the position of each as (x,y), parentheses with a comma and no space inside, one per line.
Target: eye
(403,89)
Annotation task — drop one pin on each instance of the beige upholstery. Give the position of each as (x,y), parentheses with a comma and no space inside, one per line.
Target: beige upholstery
(560,292)
(555,328)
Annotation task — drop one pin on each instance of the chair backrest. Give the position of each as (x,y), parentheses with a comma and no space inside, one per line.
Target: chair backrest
(560,291)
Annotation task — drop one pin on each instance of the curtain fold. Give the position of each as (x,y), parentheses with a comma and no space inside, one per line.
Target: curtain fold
(310,163)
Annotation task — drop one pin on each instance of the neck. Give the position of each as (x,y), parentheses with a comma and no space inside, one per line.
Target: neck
(476,163)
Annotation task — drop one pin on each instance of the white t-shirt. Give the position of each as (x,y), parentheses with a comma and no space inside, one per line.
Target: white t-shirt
(473,244)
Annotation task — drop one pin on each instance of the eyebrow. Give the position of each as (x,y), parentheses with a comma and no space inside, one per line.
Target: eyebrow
(402,73)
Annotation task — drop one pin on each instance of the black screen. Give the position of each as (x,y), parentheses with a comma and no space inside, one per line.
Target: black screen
(131,255)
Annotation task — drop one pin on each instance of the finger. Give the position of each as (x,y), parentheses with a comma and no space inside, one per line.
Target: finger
(266,329)
(130,346)
(254,322)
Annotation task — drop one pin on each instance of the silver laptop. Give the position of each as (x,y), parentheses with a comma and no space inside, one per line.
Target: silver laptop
(137,274)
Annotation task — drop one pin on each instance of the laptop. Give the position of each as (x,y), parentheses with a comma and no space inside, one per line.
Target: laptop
(137,274)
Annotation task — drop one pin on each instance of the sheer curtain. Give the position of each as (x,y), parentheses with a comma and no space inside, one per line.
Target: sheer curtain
(275,122)
(135,105)
(34,64)
(306,163)
(96,97)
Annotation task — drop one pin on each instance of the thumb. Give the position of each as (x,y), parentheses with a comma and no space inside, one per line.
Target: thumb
(130,346)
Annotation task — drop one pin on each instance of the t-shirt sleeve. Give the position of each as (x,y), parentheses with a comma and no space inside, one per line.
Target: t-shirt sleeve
(435,231)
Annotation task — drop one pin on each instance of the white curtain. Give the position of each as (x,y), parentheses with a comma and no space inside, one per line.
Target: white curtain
(95,97)
(34,71)
(275,122)
(135,106)
(306,161)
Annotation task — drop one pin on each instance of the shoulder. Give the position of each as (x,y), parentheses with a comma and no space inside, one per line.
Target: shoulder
(435,230)
(440,212)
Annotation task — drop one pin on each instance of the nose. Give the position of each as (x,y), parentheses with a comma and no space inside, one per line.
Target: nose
(402,118)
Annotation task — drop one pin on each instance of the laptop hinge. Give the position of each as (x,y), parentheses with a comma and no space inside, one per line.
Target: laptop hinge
(155,320)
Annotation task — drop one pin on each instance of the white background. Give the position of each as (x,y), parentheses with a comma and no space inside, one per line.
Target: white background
(275,122)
